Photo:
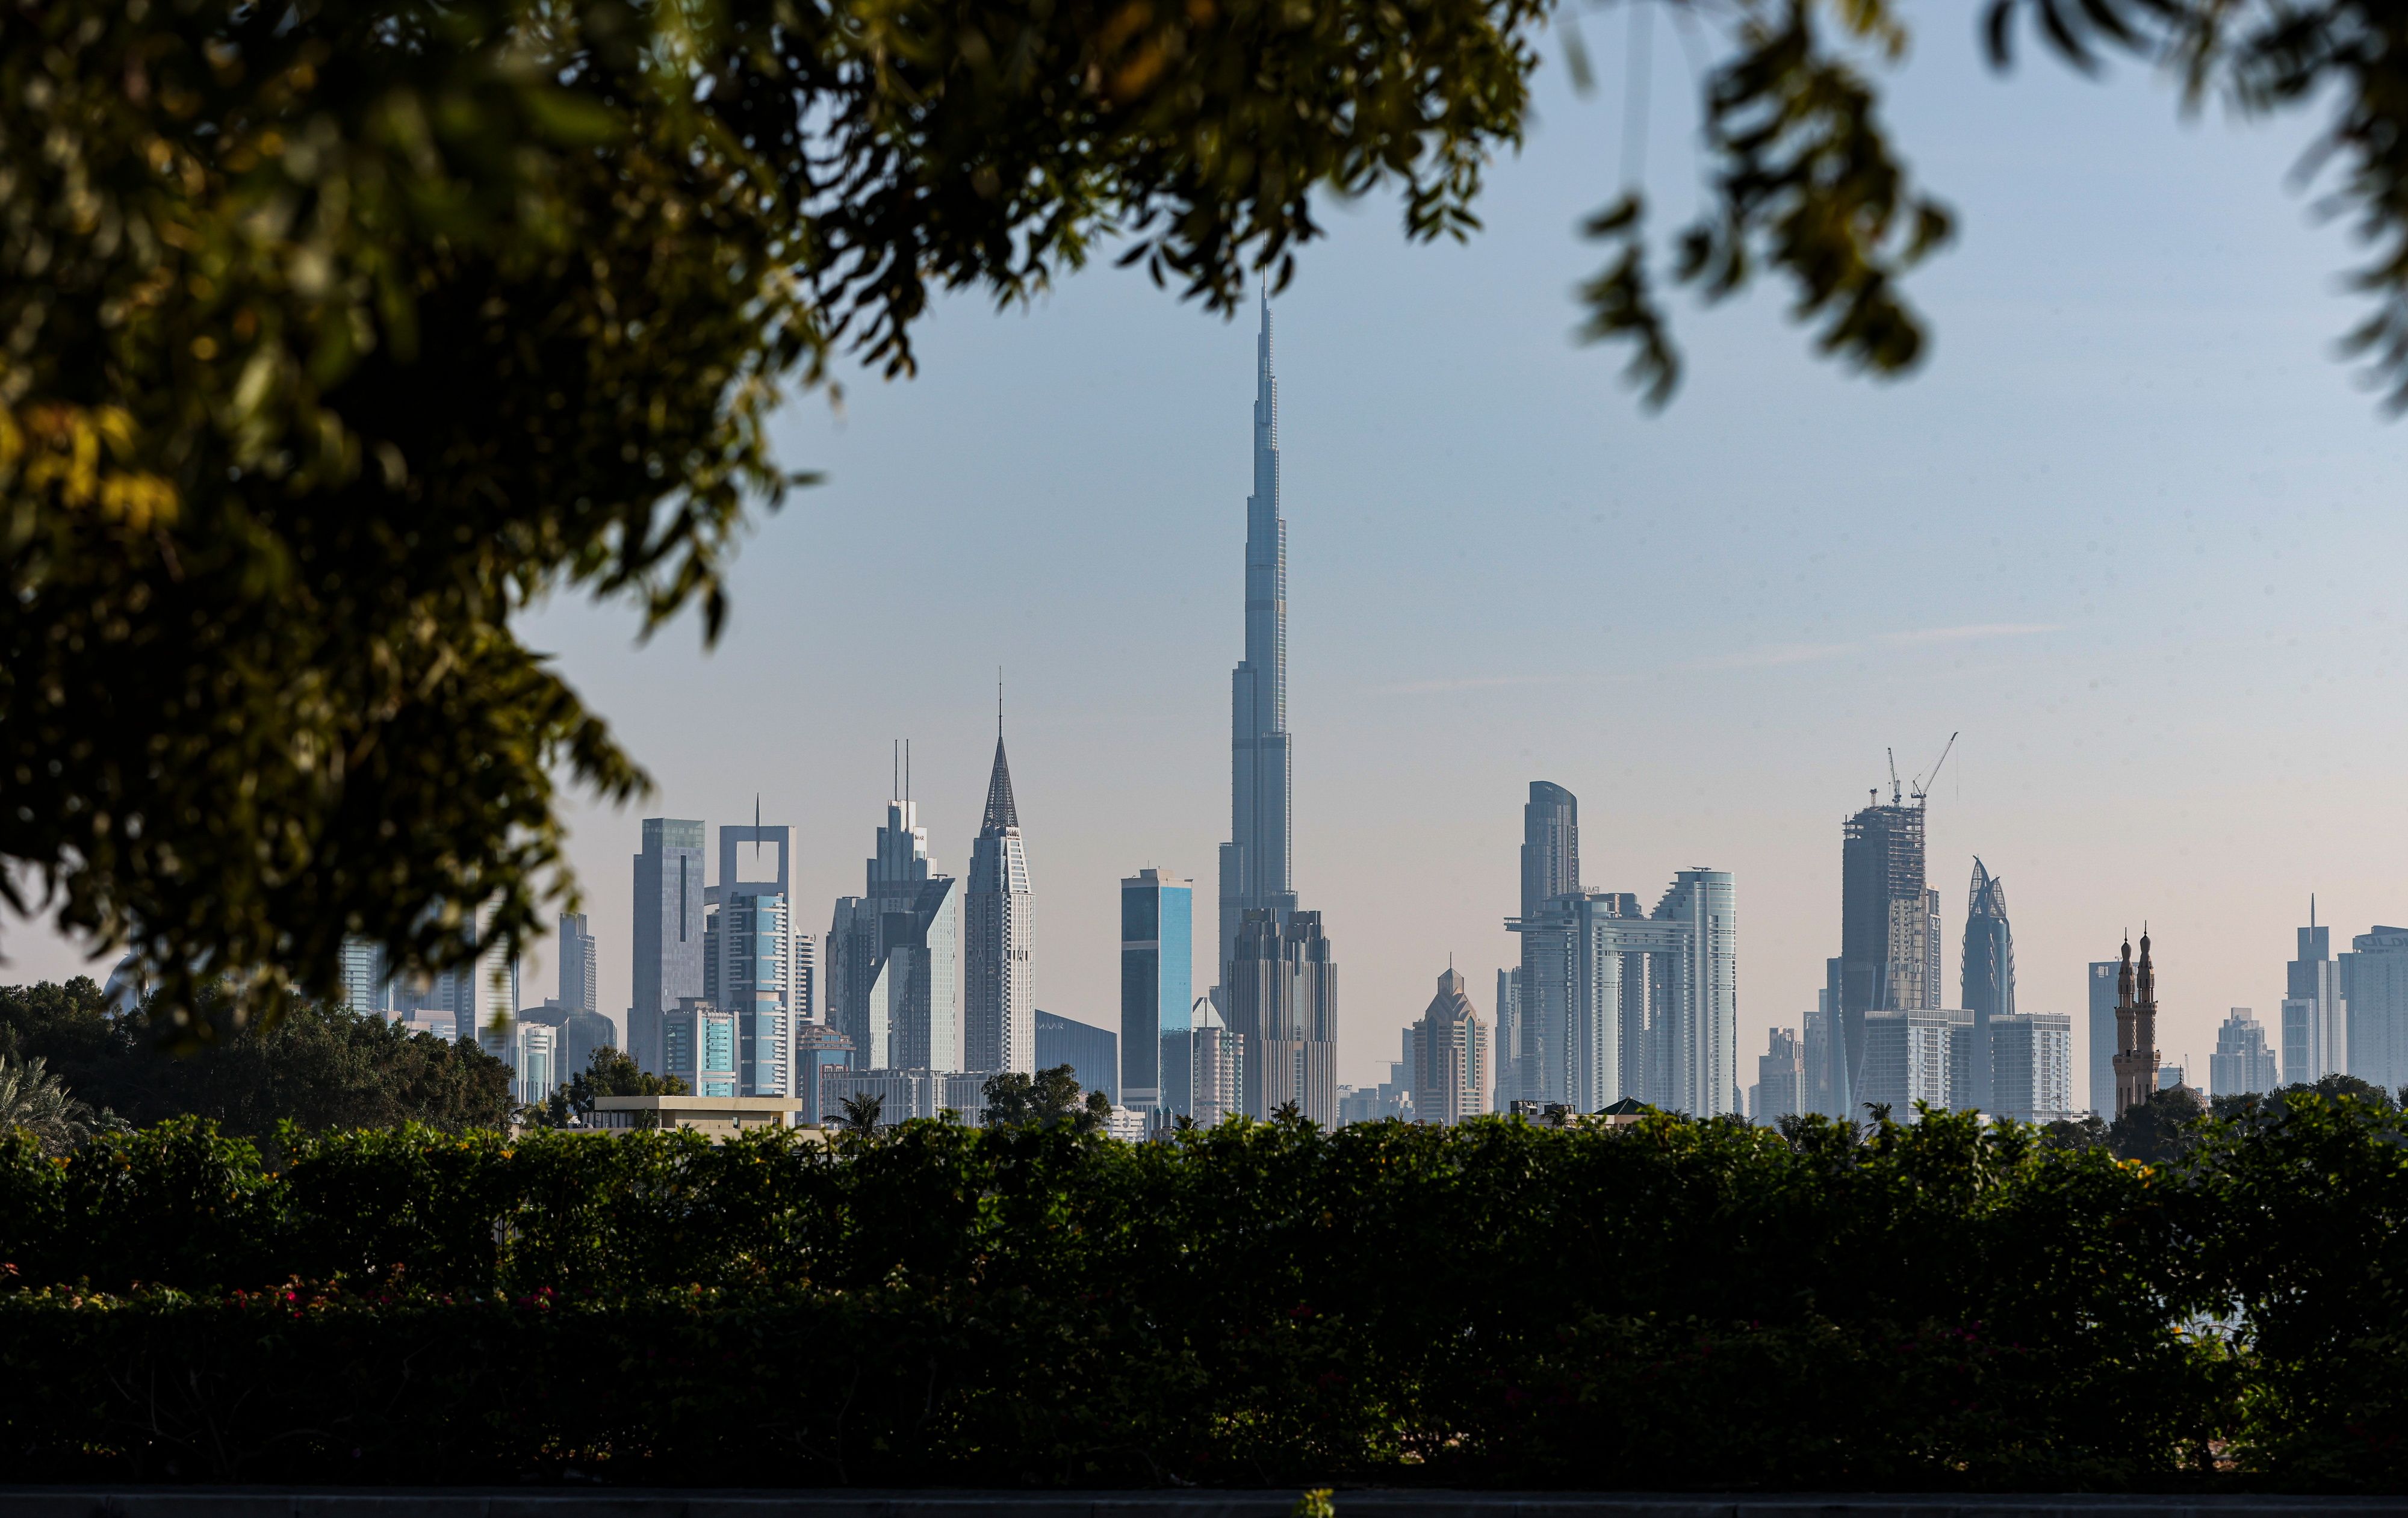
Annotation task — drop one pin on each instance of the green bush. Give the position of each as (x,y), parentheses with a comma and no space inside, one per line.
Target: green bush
(1675,1305)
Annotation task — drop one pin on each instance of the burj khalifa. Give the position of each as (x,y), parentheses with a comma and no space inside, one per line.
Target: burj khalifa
(1255,863)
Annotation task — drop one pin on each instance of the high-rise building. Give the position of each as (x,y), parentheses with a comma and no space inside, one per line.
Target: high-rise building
(578,1033)
(1780,1079)
(533,1052)
(1621,1004)
(483,994)
(1508,1038)
(1000,1000)
(2031,1067)
(2374,997)
(1280,998)
(1814,1093)
(1988,975)
(818,1049)
(668,932)
(580,968)
(2316,1029)
(1450,1056)
(365,986)
(1157,990)
(1919,1055)
(699,1046)
(750,956)
(2136,1030)
(1888,958)
(1256,874)
(1216,1067)
(2243,1062)
(894,952)
(2103,1038)
(1093,1054)
(1550,868)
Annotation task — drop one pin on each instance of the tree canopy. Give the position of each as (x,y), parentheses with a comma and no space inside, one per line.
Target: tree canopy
(334,335)
(323,1070)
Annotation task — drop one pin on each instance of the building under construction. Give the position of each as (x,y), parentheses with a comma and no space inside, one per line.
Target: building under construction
(1889,933)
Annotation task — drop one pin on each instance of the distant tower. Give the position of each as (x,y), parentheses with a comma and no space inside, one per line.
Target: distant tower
(578,968)
(1450,1056)
(1158,985)
(894,952)
(2315,1027)
(1885,944)
(668,932)
(1000,1028)
(1256,874)
(2136,1031)
(1989,971)
(752,957)
(1550,868)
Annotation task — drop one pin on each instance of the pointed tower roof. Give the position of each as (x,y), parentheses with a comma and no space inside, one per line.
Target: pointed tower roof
(1000,812)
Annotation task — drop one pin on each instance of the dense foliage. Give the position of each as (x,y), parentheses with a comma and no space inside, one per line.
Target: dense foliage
(607,1073)
(319,1068)
(1676,1304)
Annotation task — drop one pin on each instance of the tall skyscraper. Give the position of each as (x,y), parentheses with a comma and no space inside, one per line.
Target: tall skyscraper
(1888,950)
(366,988)
(1451,1056)
(1550,868)
(1256,873)
(2374,997)
(894,952)
(668,932)
(2243,1062)
(1625,1005)
(2103,1038)
(579,969)
(1987,972)
(1157,990)
(1282,1002)
(2315,1030)
(1000,1000)
(2136,1030)
(1780,1079)
(750,957)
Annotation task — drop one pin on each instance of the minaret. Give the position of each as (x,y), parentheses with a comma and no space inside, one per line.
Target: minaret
(1000,1025)
(2136,1030)
(1255,863)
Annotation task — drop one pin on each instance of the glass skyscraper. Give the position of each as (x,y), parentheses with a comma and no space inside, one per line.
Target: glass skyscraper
(1158,985)
(666,932)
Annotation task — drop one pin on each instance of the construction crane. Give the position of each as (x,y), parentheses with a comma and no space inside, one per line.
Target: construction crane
(1921,790)
(1892,775)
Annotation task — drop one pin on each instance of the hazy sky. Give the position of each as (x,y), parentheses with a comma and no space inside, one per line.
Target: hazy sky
(2132,530)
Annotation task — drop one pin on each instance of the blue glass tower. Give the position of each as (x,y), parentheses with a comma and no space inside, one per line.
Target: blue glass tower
(1157,981)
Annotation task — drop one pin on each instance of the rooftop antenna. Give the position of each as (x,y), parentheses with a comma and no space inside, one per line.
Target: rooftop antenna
(1922,788)
(907,773)
(895,781)
(1892,775)
(998,703)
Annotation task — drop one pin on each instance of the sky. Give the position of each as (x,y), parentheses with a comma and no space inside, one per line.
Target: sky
(2133,533)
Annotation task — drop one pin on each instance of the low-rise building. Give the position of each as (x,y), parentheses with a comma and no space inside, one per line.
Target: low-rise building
(720,1117)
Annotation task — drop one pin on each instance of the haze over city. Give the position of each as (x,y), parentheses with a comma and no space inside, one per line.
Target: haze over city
(2129,531)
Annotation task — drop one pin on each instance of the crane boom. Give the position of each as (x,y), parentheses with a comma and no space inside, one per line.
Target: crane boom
(1922,788)
(1894,798)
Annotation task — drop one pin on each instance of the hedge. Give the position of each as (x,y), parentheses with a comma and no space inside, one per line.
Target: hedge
(1676,1304)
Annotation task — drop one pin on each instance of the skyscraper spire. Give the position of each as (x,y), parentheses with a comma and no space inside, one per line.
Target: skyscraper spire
(1000,1030)
(1256,873)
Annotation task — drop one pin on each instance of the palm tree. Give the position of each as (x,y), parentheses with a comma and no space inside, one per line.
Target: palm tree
(33,1099)
(861,1110)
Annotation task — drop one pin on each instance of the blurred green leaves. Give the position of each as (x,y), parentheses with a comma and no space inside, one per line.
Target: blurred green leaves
(334,335)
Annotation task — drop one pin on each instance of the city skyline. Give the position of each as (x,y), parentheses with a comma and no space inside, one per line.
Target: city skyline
(2128,523)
